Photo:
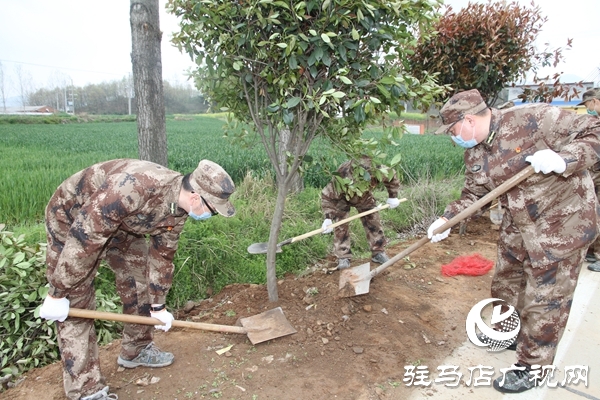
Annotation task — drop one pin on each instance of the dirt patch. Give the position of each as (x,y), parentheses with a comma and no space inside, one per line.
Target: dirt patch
(345,348)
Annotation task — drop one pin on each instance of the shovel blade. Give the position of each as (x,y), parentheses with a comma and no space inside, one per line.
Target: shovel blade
(267,325)
(260,248)
(355,281)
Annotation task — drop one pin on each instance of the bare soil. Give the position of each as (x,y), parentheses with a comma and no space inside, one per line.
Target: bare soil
(345,348)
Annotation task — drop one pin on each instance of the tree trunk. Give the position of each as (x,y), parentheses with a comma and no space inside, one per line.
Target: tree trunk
(147,80)
(285,146)
(282,190)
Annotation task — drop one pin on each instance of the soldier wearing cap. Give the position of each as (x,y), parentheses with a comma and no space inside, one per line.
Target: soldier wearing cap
(591,101)
(129,213)
(551,217)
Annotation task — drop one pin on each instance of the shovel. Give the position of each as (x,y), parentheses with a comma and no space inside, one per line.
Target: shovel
(261,248)
(259,328)
(355,281)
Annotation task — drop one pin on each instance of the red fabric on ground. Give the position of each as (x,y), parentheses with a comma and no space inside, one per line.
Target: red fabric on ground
(473,265)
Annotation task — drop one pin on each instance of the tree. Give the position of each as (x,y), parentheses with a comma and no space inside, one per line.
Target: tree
(308,68)
(24,84)
(485,46)
(2,87)
(59,81)
(147,81)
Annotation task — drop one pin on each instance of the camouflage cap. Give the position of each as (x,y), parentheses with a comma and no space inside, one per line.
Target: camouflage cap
(212,182)
(589,95)
(459,105)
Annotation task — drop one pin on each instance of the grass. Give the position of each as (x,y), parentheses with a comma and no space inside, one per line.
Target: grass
(36,158)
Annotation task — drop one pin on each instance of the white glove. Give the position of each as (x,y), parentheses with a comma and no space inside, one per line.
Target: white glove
(440,236)
(326,223)
(163,316)
(55,309)
(547,161)
(393,202)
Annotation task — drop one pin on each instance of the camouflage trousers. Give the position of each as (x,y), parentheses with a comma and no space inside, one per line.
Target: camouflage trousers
(541,295)
(127,256)
(595,249)
(339,209)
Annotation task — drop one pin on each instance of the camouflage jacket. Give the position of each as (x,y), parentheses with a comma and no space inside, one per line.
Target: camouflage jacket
(563,205)
(137,197)
(346,171)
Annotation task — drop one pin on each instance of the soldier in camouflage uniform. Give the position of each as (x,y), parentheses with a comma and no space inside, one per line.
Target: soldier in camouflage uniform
(550,220)
(593,253)
(336,207)
(129,213)
(591,101)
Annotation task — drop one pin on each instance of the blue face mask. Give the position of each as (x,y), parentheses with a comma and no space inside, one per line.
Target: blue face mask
(204,215)
(592,112)
(461,142)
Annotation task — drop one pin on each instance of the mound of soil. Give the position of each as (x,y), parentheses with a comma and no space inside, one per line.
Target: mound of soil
(345,348)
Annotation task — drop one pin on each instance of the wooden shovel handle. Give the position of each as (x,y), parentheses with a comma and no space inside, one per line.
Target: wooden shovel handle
(464,214)
(138,319)
(344,221)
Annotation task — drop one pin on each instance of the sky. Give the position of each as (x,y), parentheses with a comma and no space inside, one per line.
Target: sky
(86,41)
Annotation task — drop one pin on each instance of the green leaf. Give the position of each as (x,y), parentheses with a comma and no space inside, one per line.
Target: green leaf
(18,258)
(396,159)
(282,45)
(318,53)
(288,117)
(325,38)
(293,102)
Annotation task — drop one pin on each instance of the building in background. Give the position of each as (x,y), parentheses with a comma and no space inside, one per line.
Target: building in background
(28,110)
(511,94)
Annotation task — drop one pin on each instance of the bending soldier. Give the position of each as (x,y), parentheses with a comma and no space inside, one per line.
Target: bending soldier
(336,207)
(129,213)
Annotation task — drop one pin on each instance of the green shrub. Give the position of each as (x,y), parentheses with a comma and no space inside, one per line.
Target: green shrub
(26,340)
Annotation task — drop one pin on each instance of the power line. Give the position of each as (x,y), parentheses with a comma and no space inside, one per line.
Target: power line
(594,76)
(66,68)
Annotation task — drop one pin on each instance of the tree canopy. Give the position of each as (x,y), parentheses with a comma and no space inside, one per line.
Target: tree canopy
(484,46)
(307,68)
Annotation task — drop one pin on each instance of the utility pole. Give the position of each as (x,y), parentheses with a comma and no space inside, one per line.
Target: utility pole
(72,98)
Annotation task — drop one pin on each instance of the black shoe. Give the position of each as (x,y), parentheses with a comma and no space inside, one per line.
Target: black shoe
(594,267)
(590,258)
(485,339)
(515,381)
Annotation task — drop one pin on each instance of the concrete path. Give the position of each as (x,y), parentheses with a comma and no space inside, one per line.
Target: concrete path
(580,345)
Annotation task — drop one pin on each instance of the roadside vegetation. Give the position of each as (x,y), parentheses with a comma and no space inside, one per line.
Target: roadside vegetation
(36,158)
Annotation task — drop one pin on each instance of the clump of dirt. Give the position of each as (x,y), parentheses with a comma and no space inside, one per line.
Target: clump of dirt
(345,347)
